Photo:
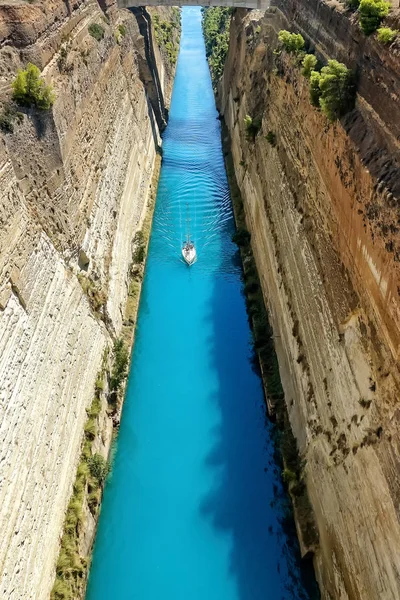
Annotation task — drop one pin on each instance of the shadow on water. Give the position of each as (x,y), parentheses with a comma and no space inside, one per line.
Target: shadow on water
(249,502)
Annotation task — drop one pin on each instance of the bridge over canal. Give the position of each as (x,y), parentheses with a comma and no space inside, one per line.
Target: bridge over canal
(260,4)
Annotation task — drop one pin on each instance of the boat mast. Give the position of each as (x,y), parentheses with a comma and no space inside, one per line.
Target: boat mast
(188,223)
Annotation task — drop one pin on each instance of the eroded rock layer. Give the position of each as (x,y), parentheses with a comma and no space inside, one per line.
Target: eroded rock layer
(321,203)
(74,184)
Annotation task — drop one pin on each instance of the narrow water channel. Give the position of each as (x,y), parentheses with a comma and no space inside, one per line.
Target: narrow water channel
(194,509)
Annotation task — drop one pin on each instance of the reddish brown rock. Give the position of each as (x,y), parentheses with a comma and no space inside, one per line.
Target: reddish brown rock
(322,206)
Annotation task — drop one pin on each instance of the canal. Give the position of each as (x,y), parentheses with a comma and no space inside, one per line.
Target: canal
(194,508)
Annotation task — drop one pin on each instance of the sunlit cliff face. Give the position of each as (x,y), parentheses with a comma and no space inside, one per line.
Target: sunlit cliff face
(321,209)
(75,181)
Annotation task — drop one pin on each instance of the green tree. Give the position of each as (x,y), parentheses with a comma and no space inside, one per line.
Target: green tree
(386,35)
(371,14)
(337,90)
(333,89)
(29,89)
(292,42)
(309,63)
(99,468)
(96,31)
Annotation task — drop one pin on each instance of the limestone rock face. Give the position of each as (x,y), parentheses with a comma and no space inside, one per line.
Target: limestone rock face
(74,185)
(322,205)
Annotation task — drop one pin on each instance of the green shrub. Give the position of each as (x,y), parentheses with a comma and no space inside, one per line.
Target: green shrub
(315,90)
(120,33)
(95,408)
(216,24)
(371,14)
(337,89)
(6,122)
(71,569)
(252,126)
(62,58)
(99,468)
(309,63)
(8,116)
(289,476)
(90,429)
(292,42)
(139,253)
(29,89)
(120,367)
(87,449)
(271,138)
(96,31)
(60,590)
(63,562)
(386,35)
(248,121)
(99,384)
(83,470)
(164,33)
(241,237)
(333,89)
(353,4)
(94,500)
(96,296)
(75,509)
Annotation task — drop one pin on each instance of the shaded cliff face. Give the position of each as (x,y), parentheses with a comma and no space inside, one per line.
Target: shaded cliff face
(74,185)
(322,208)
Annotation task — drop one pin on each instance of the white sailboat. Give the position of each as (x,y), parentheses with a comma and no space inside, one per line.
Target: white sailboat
(189,251)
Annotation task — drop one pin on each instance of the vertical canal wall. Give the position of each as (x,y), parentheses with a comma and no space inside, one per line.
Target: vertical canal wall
(75,183)
(321,204)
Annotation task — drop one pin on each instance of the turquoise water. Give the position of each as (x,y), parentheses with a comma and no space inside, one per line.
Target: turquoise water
(194,509)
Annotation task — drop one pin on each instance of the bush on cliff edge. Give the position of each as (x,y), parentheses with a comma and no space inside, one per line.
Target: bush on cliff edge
(30,89)
(292,42)
(309,63)
(386,35)
(120,368)
(371,14)
(333,89)
(216,23)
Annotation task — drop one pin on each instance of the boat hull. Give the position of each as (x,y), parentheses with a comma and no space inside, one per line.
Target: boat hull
(189,256)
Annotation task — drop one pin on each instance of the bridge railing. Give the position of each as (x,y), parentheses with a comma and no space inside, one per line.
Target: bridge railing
(260,4)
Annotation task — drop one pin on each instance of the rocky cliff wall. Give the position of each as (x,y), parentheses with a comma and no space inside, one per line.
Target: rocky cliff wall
(322,208)
(74,185)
